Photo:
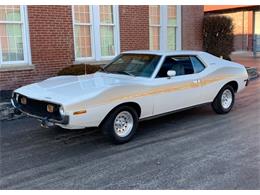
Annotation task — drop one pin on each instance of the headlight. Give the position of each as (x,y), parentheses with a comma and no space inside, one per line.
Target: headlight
(15,96)
(61,110)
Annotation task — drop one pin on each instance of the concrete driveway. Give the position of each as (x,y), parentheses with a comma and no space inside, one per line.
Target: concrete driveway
(194,149)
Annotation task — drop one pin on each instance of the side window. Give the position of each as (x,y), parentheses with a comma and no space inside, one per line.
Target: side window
(197,65)
(181,64)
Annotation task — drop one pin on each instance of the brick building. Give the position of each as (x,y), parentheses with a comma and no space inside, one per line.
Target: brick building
(38,41)
(246,19)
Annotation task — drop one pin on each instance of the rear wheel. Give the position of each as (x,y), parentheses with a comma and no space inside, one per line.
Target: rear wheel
(224,101)
(120,125)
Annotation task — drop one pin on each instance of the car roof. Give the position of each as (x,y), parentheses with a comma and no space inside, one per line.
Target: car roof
(165,52)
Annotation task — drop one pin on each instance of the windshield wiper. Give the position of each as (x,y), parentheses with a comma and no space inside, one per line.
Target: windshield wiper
(124,72)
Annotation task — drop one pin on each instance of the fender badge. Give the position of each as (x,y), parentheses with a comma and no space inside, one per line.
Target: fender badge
(24,100)
(50,108)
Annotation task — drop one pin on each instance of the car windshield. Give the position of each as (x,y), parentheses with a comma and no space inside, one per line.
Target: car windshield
(142,65)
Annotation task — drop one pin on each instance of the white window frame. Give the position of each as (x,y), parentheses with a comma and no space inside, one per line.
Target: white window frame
(25,38)
(95,35)
(91,34)
(164,24)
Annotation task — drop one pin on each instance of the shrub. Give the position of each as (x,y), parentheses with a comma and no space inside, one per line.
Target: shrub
(79,69)
(218,35)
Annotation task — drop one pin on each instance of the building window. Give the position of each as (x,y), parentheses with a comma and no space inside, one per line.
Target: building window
(171,27)
(96,32)
(14,42)
(82,31)
(107,31)
(155,25)
(165,27)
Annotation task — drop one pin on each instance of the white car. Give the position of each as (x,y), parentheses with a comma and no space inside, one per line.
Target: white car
(136,85)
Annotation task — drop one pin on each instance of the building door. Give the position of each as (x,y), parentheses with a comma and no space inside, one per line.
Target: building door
(257,32)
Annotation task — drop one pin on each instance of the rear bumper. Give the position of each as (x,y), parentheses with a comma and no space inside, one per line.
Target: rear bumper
(45,120)
(246,82)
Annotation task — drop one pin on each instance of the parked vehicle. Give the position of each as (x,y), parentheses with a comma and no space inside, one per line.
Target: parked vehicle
(136,85)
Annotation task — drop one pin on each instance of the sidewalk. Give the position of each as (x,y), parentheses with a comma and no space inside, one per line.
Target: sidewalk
(247,59)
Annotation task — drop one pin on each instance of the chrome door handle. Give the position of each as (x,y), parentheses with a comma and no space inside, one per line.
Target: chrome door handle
(196,81)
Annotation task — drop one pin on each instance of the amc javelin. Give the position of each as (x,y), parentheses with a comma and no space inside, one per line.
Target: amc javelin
(136,85)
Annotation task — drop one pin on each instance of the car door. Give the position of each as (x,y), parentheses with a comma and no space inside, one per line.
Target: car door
(180,91)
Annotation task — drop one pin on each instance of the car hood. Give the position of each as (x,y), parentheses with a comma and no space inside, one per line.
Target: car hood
(65,89)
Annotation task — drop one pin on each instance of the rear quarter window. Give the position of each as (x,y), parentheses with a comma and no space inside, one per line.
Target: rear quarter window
(197,64)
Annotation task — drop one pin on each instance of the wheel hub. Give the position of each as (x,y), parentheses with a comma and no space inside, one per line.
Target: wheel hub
(123,123)
(226,99)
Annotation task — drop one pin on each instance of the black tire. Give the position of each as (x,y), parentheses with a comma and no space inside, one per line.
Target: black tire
(109,130)
(217,104)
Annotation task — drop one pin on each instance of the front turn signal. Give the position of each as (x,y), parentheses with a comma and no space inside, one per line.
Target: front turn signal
(80,112)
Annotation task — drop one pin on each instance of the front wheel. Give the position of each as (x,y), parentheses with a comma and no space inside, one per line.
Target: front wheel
(224,101)
(121,124)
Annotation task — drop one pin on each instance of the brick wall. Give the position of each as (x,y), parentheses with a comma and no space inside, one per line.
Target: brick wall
(192,17)
(134,27)
(51,38)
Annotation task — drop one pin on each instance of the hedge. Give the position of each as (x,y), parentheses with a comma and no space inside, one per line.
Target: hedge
(218,35)
(79,69)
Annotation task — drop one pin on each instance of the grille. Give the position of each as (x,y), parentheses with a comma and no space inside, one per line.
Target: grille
(39,108)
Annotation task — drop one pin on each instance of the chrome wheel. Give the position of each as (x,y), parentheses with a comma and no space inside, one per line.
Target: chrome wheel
(226,99)
(123,123)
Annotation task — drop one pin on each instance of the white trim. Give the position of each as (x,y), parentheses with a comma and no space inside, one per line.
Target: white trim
(95,34)
(179,27)
(163,29)
(82,24)
(25,39)
(73,28)
(11,22)
(92,33)
(16,67)
(27,30)
(0,54)
(116,29)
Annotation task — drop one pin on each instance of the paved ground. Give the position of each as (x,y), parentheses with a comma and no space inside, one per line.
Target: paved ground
(194,149)
(247,59)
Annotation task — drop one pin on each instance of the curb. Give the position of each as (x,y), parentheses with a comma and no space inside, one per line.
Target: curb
(252,73)
(7,112)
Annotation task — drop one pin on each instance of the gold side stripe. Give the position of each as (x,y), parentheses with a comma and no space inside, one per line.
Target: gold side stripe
(169,89)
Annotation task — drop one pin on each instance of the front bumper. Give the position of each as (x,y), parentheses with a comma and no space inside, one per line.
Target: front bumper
(46,121)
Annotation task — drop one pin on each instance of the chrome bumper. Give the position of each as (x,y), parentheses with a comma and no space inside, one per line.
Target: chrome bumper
(45,121)
(246,81)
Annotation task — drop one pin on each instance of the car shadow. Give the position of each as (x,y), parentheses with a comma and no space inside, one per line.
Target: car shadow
(69,148)
(147,129)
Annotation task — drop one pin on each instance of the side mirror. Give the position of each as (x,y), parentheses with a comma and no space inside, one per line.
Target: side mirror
(171,73)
